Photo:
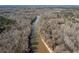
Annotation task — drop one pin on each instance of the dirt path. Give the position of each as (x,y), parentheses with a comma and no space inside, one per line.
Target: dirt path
(41,47)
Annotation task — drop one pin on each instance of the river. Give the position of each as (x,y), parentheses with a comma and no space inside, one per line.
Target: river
(41,46)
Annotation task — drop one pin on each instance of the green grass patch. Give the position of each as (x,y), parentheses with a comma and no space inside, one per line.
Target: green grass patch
(34,43)
(34,48)
(5,23)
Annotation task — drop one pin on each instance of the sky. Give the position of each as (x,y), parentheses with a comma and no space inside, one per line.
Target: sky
(39,2)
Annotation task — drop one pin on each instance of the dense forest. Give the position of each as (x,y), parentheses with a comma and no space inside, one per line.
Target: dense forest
(61,32)
(21,30)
